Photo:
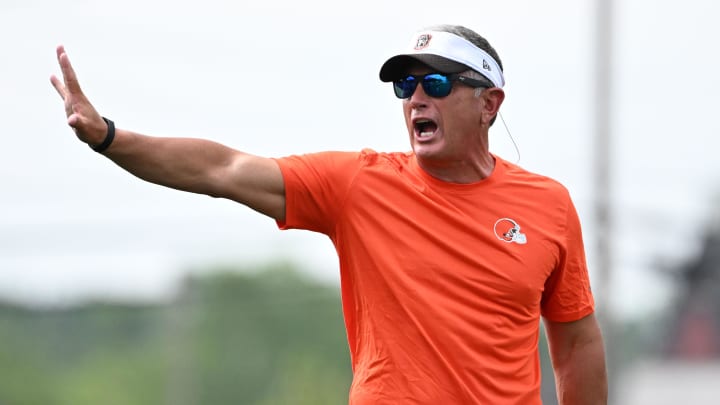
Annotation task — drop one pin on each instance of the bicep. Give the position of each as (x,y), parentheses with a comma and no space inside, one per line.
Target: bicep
(565,338)
(254,181)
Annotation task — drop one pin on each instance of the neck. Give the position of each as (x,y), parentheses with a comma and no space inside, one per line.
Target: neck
(463,171)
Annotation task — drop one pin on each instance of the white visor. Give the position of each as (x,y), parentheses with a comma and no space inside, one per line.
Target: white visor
(428,46)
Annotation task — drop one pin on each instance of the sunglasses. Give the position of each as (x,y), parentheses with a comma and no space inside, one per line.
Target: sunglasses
(434,84)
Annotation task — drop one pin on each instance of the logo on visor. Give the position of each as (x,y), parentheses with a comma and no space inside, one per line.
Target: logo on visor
(423,41)
(486,66)
(507,230)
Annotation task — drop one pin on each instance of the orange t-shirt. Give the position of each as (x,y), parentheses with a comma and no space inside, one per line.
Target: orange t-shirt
(443,284)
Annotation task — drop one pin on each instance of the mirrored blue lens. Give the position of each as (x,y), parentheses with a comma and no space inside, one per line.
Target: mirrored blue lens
(404,88)
(434,85)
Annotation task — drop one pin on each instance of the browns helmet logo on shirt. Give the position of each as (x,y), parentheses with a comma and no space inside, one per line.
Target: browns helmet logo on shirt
(507,230)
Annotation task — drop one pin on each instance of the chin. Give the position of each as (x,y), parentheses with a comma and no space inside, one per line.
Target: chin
(423,152)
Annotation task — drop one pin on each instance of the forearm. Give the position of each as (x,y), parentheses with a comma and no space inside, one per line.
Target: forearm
(580,373)
(187,164)
(580,376)
(578,357)
(194,165)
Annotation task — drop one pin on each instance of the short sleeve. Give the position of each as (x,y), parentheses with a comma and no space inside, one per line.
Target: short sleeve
(567,296)
(315,188)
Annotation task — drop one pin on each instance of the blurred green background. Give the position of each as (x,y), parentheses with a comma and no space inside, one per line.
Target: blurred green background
(260,338)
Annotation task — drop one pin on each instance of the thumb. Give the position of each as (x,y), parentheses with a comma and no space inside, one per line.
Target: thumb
(90,129)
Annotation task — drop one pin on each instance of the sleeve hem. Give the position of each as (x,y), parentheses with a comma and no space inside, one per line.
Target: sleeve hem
(570,316)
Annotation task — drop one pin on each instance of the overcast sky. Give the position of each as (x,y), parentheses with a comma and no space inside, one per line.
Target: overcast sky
(284,77)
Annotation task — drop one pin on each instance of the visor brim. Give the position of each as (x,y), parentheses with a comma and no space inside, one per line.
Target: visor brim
(398,66)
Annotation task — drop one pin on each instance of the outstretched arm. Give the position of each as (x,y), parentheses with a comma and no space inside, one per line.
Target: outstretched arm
(578,357)
(195,165)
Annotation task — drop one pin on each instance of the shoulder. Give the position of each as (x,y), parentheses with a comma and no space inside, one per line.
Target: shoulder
(372,157)
(365,156)
(319,160)
(524,180)
(342,164)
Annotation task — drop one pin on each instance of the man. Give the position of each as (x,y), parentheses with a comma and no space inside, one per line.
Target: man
(449,255)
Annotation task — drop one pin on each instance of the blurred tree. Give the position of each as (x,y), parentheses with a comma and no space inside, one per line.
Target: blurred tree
(268,337)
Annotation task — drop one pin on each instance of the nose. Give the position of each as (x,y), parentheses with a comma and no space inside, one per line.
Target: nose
(419,98)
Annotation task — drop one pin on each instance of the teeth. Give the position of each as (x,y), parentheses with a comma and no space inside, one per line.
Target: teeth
(424,127)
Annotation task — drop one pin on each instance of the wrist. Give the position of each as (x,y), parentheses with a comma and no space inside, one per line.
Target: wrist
(109,137)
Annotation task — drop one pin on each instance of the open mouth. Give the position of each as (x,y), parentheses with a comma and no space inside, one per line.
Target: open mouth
(425,128)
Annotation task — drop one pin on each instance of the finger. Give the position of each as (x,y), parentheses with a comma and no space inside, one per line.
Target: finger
(59,86)
(72,85)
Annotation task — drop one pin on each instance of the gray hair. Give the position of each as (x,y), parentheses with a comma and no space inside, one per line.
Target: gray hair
(479,90)
(479,77)
(471,36)
(477,40)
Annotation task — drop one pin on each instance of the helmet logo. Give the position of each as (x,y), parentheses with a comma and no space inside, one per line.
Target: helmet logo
(507,230)
(422,41)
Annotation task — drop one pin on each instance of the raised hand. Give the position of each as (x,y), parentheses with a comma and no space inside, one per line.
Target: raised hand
(82,116)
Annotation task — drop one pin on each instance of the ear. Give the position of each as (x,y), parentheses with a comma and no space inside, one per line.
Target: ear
(493,99)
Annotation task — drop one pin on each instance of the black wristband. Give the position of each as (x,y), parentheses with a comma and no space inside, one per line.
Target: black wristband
(108,138)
